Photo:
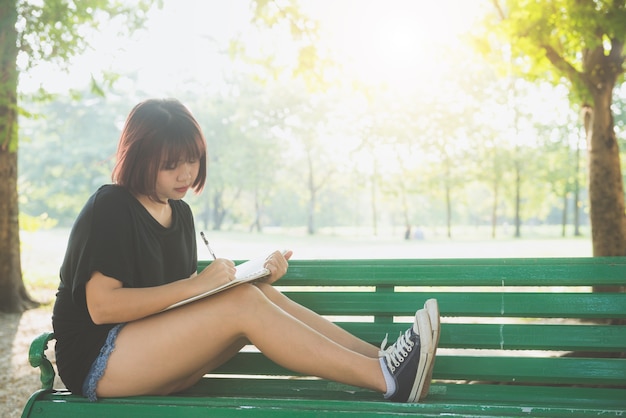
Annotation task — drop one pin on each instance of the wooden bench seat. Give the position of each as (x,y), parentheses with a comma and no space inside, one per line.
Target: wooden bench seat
(519,337)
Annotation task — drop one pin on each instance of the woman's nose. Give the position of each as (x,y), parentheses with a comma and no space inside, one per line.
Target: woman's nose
(185,171)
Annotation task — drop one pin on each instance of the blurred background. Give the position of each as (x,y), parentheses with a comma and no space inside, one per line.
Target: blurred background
(341,128)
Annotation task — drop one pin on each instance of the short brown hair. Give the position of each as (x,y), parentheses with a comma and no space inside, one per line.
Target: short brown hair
(157,133)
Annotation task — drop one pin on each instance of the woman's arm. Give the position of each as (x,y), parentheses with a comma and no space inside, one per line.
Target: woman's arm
(109,302)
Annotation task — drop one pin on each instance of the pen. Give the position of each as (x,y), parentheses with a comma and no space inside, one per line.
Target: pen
(206,242)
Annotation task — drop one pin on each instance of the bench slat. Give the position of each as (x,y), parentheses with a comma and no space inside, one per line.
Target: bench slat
(597,338)
(457,272)
(465,272)
(321,398)
(468,304)
(319,388)
(553,370)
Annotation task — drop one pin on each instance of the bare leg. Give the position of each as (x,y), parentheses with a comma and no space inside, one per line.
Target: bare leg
(319,323)
(170,351)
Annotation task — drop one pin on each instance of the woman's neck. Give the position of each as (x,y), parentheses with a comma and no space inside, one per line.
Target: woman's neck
(161,212)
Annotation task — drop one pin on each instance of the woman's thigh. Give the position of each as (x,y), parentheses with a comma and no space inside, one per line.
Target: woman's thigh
(170,351)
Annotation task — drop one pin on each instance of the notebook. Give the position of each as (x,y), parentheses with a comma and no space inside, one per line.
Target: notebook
(248,271)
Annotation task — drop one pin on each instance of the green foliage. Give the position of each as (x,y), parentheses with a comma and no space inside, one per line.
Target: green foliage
(66,154)
(556,39)
(57,30)
(54,31)
(287,18)
(34,223)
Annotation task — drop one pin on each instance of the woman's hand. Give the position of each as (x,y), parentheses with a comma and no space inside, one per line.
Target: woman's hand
(277,264)
(219,272)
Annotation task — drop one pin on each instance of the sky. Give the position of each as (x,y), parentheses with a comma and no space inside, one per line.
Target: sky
(183,38)
(376,41)
(392,40)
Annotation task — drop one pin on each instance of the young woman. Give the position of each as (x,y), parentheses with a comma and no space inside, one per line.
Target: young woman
(132,253)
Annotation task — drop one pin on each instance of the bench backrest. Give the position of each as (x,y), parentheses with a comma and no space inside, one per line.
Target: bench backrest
(503,320)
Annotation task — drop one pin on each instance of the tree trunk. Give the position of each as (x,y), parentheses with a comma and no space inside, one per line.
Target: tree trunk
(256,224)
(608,223)
(405,212)
(13,294)
(205,216)
(219,213)
(606,190)
(374,199)
(577,192)
(518,200)
(448,192)
(494,208)
(312,196)
(449,210)
(564,216)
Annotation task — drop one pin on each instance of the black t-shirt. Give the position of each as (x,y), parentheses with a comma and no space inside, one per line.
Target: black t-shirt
(115,235)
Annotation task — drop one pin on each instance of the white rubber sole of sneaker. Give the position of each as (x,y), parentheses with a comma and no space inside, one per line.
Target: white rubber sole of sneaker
(432,308)
(426,354)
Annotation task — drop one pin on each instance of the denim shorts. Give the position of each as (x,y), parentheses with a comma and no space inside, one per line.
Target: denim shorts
(100,364)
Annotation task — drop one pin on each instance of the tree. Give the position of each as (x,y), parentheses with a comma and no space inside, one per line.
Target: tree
(65,153)
(307,125)
(31,33)
(582,42)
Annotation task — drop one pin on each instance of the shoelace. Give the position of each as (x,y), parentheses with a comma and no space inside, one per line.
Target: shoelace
(383,350)
(398,351)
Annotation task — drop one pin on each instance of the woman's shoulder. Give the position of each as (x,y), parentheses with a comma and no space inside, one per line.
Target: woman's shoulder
(112,192)
(105,208)
(111,199)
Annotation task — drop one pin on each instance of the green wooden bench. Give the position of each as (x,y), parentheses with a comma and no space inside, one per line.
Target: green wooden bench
(519,337)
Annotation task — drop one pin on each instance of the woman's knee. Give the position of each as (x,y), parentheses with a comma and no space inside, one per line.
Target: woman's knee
(270,291)
(244,295)
(248,290)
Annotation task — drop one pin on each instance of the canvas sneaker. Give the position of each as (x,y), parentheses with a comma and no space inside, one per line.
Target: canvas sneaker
(408,360)
(432,308)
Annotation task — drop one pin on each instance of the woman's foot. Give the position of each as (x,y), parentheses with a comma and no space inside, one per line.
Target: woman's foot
(407,362)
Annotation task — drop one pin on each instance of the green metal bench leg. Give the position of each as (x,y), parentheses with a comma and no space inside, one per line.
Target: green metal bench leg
(37,358)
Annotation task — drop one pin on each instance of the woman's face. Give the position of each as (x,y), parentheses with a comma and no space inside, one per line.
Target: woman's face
(174,180)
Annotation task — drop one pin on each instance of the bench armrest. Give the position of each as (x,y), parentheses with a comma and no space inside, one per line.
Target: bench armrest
(37,358)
